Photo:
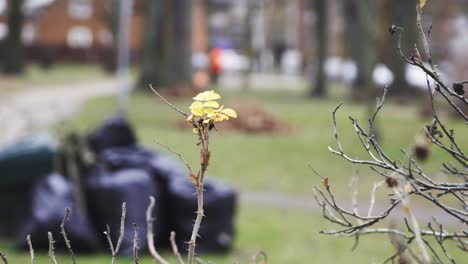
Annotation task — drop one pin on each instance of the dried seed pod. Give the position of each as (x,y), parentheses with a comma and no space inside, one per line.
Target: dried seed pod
(421,148)
(393,29)
(391,181)
(458,88)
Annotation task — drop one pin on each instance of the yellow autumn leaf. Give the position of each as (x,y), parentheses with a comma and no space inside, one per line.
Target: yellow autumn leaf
(229,112)
(197,112)
(220,117)
(421,4)
(197,109)
(212,104)
(207,96)
(196,105)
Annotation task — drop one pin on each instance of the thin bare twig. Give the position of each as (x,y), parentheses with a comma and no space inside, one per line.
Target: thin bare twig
(165,101)
(31,249)
(149,232)
(175,249)
(136,259)
(115,251)
(176,153)
(51,248)
(3,257)
(64,235)
(263,257)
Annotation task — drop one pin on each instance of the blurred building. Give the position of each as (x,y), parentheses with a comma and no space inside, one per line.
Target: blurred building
(75,30)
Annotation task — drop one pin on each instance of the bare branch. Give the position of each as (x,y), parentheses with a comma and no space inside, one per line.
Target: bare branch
(51,248)
(136,259)
(175,250)
(31,249)
(260,255)
(149,233)
(64,235)
(4,258)
(169,104)
(178,154)
(122,228)
(115,251)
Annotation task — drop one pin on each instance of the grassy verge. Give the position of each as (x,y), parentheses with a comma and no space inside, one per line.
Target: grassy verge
(276,162)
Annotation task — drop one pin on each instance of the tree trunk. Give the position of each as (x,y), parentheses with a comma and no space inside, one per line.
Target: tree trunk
(167,50)
(319,86)
(14,50)
(151,43)
(182,12)
(359,33)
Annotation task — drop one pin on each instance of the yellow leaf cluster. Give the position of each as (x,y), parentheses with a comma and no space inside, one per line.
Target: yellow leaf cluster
(206,110)
(421,4)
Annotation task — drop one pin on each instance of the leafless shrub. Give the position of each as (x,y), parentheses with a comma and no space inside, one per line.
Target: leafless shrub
(407,178)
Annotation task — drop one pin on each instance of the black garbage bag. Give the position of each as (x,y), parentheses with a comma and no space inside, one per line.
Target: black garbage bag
(51,196)
(115,131)
(125,158)
(21,163)
(161,167)
(217,228)
(106,191)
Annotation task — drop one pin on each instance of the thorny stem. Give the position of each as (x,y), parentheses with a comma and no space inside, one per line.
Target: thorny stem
(205,155)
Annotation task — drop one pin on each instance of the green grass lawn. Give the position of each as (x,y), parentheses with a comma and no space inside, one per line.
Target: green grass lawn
(58,74)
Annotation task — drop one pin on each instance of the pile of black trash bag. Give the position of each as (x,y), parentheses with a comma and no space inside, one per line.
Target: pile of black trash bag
(124,171)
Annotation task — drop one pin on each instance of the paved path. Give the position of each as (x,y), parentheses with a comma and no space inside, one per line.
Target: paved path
(423,211)
(43,106)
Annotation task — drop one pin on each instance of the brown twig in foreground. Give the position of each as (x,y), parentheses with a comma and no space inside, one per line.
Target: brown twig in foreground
(149,233)
(136,259)
(175,250)
(115,251)
(51,248)
(4,258)
(165,101)
(31,249)
(64,234)
(259,254)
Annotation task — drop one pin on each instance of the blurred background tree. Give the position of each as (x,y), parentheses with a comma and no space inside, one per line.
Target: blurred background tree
(166,53)
(13,52)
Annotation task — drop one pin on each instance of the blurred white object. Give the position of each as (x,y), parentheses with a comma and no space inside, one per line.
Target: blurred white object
(415,76)
(382,75)
(79,37)
(200,61)
(348,71)
(231,61)
(333,68)
(291,62)
(28,34)
(3,30)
